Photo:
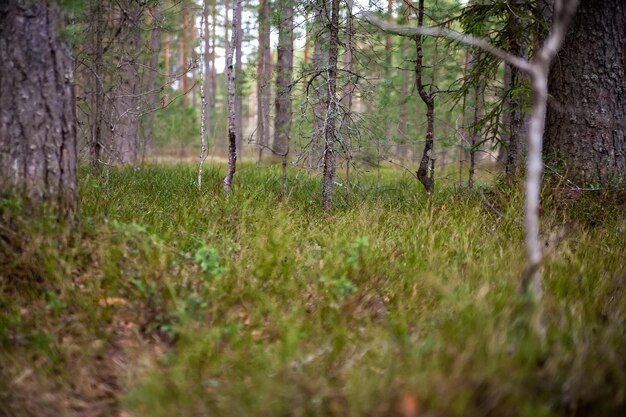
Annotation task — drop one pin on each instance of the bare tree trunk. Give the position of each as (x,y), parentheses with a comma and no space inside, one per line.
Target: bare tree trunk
(166,58)
(97,88)
(205,90)
(427,179)
(153,68)
(213,44)
(389,40)
(230,75)
(125,123)
(284,70)
(191,28)
(182,46)
(264,75)
(320,62)
(37,119)
(540,68)
(307,40)
(586,120)
(238,84)
(347,96)
(515,117)
(404,86)
(330,135)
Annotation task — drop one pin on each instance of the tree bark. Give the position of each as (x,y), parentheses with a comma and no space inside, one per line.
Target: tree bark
(515,118)
(152,70)
(230,76)
(330,134)
(37,119)
(264,74)
(347,95)
(125,123)
(182,47)
(424,176)
(284,71)
(96,80)
(586,119)
(320,96)
(238,84)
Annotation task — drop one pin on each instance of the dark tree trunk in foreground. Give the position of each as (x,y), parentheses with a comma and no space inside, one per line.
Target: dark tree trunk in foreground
(37,120)
(330,135)
(586,119)
(125,120)
(425,173)
(284,69)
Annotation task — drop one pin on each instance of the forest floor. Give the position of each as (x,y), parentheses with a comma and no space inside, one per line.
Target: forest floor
(168,301)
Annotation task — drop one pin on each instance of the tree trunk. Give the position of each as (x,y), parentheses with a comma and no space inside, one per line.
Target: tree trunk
(208,71)
(125,123)
(347,95)
(389,39)
(182,46)
(284,70)
(205,90)
(330,135)
(37,119)
(153,68)
(238,84)
(213,44)
(320,90)
(515,118)
(586,120)
(427,179)
(264,74)
(230,76)
(96,79)
(403,115)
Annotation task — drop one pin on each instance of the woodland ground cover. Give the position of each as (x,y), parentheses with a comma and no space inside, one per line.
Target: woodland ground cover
(164,301)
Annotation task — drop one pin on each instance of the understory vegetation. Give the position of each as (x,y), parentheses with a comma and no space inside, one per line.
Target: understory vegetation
(167,301)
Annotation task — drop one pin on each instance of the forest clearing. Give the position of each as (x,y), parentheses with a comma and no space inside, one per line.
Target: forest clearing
(312,208)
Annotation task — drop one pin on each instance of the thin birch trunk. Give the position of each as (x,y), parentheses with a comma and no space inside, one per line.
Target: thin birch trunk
(427,180)
(205,90)
(230,75)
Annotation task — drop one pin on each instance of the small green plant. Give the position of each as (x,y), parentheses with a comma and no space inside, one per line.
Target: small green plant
(356,252)
(54,303)
(209,260)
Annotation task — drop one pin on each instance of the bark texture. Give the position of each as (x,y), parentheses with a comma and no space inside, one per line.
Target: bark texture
(320,96)
(125,120)
(425,173)
(586,118)
(284,72)
(238,83)
(515,118)
(37,119)
(230,77)
(264,75)
(152,71)
(330,134)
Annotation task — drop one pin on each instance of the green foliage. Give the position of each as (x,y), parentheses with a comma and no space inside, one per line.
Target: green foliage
(209,260)
(257,305)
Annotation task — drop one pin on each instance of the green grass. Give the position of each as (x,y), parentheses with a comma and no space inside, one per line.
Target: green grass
(169,301)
